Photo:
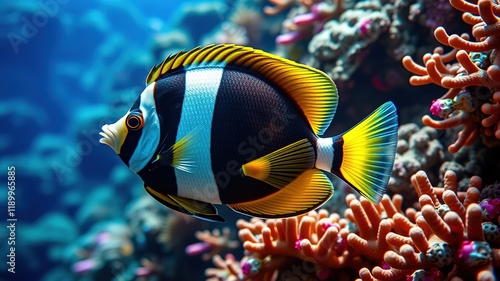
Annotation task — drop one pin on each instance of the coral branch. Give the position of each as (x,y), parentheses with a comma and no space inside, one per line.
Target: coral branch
(477,65)
(446,233)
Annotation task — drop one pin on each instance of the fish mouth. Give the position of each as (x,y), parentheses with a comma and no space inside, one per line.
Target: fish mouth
(108,137)
(113,135)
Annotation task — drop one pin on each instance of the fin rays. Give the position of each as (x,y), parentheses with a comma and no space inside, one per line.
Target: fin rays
(282,166)
(316,95)
(181,155)
(192,207)
(307,192)
(368,152)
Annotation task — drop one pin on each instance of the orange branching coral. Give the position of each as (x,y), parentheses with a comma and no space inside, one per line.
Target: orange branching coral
(273,244)
(326,241)
(308,237)
(491,122)
(447,240)
(227,269)
(472,100)
(373,228)
(212,243)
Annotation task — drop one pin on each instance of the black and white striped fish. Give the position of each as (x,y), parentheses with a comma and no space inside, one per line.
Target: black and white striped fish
(227,124)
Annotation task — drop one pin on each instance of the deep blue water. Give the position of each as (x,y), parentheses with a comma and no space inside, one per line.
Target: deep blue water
(66,68)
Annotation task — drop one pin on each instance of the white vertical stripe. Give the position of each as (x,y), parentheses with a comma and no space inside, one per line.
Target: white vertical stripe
(325,154)
(197,111)
(150,137)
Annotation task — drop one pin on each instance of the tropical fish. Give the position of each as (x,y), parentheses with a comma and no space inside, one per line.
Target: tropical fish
(228,124)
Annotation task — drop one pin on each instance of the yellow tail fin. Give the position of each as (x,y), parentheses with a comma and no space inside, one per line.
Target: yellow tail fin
(367,152)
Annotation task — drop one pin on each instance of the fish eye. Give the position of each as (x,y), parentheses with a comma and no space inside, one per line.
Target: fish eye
(135,120)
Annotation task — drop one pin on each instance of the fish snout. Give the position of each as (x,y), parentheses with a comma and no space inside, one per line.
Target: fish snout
(114,135)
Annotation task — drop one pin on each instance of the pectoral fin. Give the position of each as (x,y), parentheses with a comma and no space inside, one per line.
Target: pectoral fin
(307,192)
(199,209)
(182,154)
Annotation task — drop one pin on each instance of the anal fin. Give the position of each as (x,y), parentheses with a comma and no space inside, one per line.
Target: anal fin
(199,209)
(307,192)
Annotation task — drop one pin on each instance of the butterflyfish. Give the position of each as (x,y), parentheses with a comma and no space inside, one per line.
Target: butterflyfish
(233,125)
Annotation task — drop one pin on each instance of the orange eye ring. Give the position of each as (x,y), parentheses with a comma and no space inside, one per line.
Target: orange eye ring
(135,121)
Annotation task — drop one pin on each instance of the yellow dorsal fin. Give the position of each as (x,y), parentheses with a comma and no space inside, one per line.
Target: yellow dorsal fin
(307,192)
(282,166)
(311,89)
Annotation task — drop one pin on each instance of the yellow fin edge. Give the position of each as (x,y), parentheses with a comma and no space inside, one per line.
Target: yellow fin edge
(307,192)
(313,91)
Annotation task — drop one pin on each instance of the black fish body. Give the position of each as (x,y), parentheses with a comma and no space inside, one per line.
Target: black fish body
(248,122)
(231,125)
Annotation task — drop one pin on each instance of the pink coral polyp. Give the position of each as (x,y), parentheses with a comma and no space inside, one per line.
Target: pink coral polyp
(491,208)
(475,253)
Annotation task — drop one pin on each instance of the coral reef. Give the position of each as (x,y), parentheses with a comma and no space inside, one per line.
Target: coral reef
(451,235)
(343,44)
(71,66)
(471,73)
(341,34)
(418,149)
(307,18)
(212,242)
(144,247)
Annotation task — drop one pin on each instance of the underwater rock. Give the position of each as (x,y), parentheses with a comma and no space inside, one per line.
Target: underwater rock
(146,218)
(200,18)
(418,149)
(43,243)
(251,21)
(104,252)
(171,42)
(52,228)
(101,204)
(227,33)
(342,44)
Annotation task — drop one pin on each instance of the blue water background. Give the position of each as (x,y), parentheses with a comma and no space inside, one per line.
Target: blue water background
(68,67)
(65,70)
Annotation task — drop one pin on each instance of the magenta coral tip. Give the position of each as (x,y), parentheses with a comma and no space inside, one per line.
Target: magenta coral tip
(475,253)
(289,38)
(435,108)
(385,266)
(251,266)
(297,244)
(306,18)
(84,266)
(465,250)
(198,248)
(341,245)
(365,26)
(142,271)
(103,237)
(491,208)
(326,225)
(245,268)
